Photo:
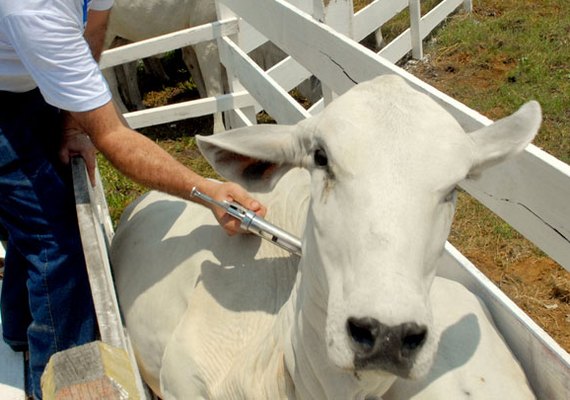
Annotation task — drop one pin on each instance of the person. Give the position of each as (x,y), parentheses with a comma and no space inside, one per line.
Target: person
(55,104)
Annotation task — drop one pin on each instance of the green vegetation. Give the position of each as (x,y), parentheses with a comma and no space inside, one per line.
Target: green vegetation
(505,53)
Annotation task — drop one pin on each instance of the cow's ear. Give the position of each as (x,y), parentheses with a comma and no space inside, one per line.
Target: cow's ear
(255,157)
(505,138)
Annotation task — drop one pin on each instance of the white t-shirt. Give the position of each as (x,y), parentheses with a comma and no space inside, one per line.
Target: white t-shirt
(42,44)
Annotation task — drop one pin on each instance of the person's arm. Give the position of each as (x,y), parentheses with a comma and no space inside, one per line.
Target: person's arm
(74,141)
(95,31)
(142,160)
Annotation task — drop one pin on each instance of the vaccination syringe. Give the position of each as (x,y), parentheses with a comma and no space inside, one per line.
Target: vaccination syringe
(255,224)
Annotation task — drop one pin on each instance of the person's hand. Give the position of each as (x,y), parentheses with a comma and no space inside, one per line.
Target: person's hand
(231,192)
(76,143)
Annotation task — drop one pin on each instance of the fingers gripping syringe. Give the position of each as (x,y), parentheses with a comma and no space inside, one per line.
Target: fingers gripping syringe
(253,223)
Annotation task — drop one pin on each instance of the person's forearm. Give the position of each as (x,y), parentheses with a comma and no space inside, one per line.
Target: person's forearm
(136,156)
(142,160)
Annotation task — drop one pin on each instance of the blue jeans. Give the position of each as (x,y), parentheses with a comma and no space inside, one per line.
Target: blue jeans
(46,300)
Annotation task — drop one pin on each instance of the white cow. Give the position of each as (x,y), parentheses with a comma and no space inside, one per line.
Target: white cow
(369,185)
(136,20)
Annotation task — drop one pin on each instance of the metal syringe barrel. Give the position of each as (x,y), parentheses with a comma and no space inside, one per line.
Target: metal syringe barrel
(255,224)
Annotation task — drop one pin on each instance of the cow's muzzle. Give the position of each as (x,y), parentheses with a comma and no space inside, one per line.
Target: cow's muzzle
(389,348)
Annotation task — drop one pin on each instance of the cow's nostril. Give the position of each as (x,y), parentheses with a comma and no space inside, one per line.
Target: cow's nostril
(413,338)
(363,332)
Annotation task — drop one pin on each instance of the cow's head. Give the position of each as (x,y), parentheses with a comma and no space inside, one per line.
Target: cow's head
(384,161)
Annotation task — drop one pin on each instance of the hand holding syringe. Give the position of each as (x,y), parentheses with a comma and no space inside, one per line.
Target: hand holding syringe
(255,224)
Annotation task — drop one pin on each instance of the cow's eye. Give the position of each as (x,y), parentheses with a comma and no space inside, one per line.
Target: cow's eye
(321,158)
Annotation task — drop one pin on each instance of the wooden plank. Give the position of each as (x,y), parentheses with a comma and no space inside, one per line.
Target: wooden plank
(238,116)
(12,386)
(168,42)
(96,234)
(276,101)
(97,261)
(375,15)
(339,16)
(437,15)
(248,37)
(288,73)
(532,193)
(188,109)
(341,63)
(398,47)
(546,364)
(241,120)
(401,45)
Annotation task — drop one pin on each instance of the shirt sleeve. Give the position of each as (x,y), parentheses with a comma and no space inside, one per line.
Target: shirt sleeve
(101,5)
(59,60)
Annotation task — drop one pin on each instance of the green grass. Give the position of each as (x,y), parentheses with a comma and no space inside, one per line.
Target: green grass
(508,52)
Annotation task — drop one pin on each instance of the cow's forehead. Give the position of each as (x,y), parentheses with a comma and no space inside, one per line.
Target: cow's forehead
(388,105)
(386,123)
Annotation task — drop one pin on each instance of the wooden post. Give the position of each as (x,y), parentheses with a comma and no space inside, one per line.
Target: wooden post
(92,371)
(95,246)
(339,15)
(246,116)
(415,20)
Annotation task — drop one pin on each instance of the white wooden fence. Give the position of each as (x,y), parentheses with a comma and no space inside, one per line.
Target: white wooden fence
(289,73)
(531,192)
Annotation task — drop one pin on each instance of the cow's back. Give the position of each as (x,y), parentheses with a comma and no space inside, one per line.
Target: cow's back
(175,266)
(139,19)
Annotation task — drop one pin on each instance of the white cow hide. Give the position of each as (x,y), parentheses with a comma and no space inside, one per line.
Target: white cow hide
(369,184)
(136,20)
